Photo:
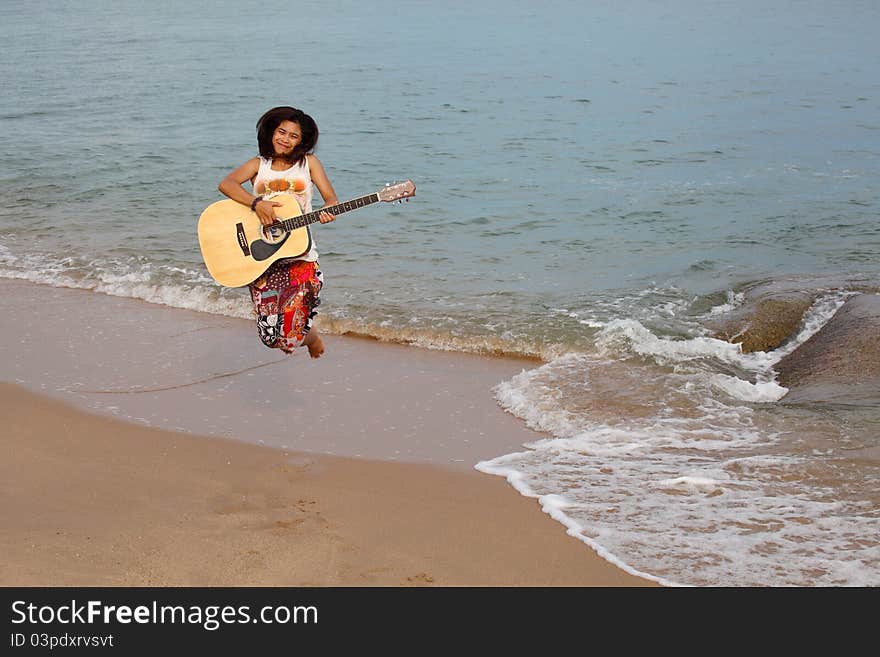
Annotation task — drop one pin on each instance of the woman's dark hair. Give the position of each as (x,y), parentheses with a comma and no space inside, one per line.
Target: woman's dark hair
(272,119)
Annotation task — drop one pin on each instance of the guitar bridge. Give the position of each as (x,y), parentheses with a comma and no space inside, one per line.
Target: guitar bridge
(242,240)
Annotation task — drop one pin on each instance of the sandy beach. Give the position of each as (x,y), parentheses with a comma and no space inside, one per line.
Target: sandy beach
(96,500)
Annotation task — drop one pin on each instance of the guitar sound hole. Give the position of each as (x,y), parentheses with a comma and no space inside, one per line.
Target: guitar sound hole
(272,234)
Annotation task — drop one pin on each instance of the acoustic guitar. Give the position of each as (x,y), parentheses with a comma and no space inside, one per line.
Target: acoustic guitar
(238,249)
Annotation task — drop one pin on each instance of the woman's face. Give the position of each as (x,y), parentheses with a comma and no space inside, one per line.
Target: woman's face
(286,137)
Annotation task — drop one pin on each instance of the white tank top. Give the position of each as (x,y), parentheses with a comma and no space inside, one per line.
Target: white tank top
(296,181)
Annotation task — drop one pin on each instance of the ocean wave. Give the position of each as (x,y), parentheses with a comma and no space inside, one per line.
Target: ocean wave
(668,476)
(188,289)
(137,285)
(670,457)
(439,339)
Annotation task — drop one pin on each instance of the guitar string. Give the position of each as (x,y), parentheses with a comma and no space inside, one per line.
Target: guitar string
(312,217)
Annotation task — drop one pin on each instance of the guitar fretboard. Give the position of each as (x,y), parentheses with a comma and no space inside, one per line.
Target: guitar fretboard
(311,217)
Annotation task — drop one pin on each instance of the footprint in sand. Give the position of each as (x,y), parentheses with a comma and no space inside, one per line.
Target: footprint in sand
(422,579)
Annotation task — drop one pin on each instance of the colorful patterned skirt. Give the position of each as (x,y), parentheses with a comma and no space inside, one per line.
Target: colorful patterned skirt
(285,300)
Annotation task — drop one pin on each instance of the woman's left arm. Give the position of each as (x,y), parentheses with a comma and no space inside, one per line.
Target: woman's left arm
(322,182)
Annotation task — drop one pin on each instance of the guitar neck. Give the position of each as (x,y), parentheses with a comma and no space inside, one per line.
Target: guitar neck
(311,217)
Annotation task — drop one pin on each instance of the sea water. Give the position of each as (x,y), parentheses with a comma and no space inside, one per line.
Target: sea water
(595,184)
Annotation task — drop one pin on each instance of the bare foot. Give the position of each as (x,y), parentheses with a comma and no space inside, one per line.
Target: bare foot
(316,347)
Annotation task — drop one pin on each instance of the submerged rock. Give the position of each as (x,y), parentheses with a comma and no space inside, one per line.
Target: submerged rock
(841,362)
(765,323)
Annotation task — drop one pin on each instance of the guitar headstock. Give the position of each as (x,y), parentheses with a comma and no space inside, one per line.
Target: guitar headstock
(397,192)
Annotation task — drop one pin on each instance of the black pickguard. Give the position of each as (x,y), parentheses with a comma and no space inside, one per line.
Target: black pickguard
(261,250)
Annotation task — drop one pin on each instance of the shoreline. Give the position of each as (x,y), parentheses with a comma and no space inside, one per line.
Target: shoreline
(94,501)
(205,374)
(353,469)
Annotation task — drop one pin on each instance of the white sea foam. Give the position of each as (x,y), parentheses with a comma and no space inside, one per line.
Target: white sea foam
(547,415)
(673,473)
(730,524)
(734,301)
(761,391)
(558,508)
(625,335)
(135,285)
(822,310)
(690,484)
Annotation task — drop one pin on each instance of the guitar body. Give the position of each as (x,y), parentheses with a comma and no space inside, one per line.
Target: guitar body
(236,247)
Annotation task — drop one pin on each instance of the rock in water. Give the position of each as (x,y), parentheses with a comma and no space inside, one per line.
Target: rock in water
(841,362)
(766,323)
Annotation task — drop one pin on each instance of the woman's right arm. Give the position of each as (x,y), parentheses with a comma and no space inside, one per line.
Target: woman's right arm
(231,186)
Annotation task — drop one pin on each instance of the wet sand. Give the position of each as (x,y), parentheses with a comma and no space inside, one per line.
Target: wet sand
(210,375)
